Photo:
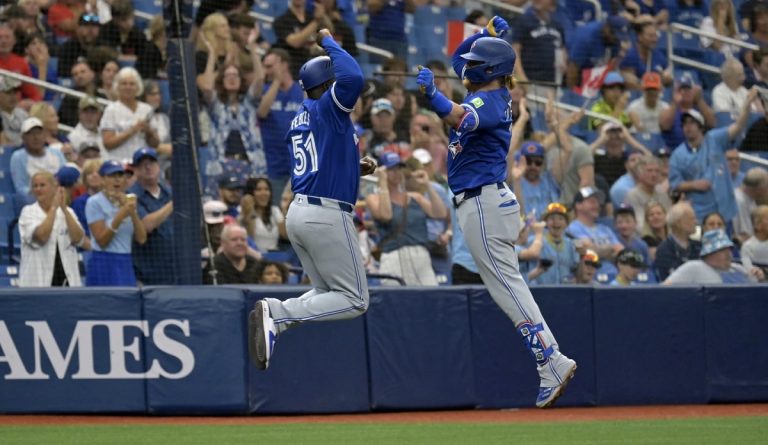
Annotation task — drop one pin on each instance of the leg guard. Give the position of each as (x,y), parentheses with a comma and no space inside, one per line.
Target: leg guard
(534,343)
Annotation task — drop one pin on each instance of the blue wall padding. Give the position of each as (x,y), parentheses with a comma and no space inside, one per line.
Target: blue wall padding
(317,368)
(737,365)
(216,324)
(62,309)
(505,372)
(649,345)
(419,349)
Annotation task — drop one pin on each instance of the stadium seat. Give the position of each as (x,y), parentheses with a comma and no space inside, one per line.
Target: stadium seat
(723,118)
(429,32)
(165,94)
(152,7)
(6,206)
(651,141)
(687,45)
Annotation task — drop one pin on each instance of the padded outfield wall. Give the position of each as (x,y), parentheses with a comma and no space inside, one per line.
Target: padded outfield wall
(183,350)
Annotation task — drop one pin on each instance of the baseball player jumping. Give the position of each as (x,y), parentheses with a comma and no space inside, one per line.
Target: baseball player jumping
(325,180)
(488,212)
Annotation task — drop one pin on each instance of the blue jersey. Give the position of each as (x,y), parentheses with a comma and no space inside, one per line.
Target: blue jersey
(274,126)
(322,137)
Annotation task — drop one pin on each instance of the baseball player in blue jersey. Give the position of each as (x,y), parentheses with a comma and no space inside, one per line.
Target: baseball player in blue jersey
(487,210)
(325,180)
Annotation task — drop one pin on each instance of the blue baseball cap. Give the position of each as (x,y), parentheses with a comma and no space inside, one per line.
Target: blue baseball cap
(531,148)
(685,80)
(390,160)
(613,78)
(619,27)
(624,208)
(230,182)
(713,241)
(111,167)
(146,152)
(67,175)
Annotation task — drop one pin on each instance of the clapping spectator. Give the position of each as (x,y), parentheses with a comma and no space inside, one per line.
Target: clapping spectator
(644,111)
(11,114)
(232,264)
(697,167)
(125,125)
(263,221)
(215,34)
(50,234)
(160,121)
(33,157)
(613,101)
(678,247)
(716,264)
(687,96)
(730,94)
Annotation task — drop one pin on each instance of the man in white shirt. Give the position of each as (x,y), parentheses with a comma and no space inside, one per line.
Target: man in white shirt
(86,132)
(753,191)
(644,112)
(730,94)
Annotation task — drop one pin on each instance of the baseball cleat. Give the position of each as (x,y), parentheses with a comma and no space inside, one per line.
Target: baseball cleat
(558,373)
(261,334)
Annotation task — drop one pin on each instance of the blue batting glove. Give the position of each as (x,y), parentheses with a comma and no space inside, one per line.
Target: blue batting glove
(426,82)
(497,27)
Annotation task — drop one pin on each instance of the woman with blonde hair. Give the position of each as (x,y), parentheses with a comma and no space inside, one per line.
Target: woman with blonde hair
(50,235)
(125,124)
(50,119)
(214,40)
(153,64)
(655,228)
(722,21)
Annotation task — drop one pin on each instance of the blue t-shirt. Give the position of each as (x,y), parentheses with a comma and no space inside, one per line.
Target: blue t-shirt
(564,259)
(709,163)
(153,260)
(620,188)
(679,12)
(98,208)
(538,196)
(539,39)
(639,246)
(276,125)
(600,235)
(658,62)
(654,8)
(674,136)
(322,138)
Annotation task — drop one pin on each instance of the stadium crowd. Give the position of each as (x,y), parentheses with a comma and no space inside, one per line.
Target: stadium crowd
(654,193)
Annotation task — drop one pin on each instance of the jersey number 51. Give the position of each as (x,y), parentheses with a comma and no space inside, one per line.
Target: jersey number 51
(302,150)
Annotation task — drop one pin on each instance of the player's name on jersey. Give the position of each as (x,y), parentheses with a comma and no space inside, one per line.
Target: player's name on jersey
(300,119)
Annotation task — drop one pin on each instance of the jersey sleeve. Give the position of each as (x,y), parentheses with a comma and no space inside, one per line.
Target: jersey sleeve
(349,77)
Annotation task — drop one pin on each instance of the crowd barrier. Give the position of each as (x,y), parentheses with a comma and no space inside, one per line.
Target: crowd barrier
(183,350)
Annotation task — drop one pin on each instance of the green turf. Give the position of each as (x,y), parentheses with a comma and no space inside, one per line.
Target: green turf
(736,430)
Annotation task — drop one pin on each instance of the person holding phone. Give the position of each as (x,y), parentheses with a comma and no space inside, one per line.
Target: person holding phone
(559,255)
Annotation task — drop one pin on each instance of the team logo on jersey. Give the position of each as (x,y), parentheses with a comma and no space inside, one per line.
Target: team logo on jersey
(477,102)
(455,148)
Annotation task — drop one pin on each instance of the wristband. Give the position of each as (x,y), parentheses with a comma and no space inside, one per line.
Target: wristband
(441,104)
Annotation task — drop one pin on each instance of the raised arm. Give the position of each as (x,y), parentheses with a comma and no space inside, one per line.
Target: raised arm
(497,27)
(349,76)
(735,128)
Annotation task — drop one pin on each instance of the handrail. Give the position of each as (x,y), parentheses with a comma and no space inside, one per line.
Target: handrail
(50,86)
(360,45)
(731,41)
(598,9)
(497,4)
(755,159)
(569,107)
(693,63)
(143,15)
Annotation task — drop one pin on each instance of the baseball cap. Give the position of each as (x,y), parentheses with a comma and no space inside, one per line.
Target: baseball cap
(85,146)
(555,208)
(613,78)
(30,123)
(89,19)
(693,114)
(390,160)
(713,241)
(89,102)
(214,212)
(631,258)
(230,182)
(531,148)
(685,80)
(111,167)
(146,152)
(651,81)
(67,175)
(8,84)
(422,155)
(611,125)
(380,105)
(625,209)
(590,257)
(619,27)
(585,193)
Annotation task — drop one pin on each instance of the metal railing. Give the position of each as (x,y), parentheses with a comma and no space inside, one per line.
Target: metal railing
(679,27)
(143,15)
(496,4)
(598,9)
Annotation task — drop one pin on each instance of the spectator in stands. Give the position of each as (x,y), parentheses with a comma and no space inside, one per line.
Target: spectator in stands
(62,18)
(40,63)
(342,33)
(295,32)
(216,35)
(34,18)
(232,264)
(758,31)
(386,29)
(12,62)
(281,97)
(629,263)
(757,134)
(734,166)
(394,82)
(536,38)
(209,7)
(654,231)
(86,38)
(538,187)
(647,189)
(383,138)
(154,61)
(721,21)
(625,226)
(160,121)
(93,184)
(697,167)
(400,218)
(678,247)
(558,258)
(587,269)
(712,221)
(755,248)
(125,125)
(105,80)
(32,157)
(613,101)
(428,133)
(263,221)
(68,177)
(645,57)
(569,159)
(611,151)
(153,259)
(271,272)
(22,24)
(477,17)
(628,180)
(86,132)
(687,96)
(595,45)
(757,71)
(687,12)
(50,235)
(730,94)
(715,265)
(122,34)
(114,223)
(397,95)
(83,80)
(644,111)
(231,193)
(592,235)
(53,137)
(753,192)
(11,114)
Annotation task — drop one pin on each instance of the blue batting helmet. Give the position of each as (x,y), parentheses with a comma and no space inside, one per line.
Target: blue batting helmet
(315,72)
(497,57)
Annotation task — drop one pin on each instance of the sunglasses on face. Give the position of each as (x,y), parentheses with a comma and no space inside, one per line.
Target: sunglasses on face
(90,18)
